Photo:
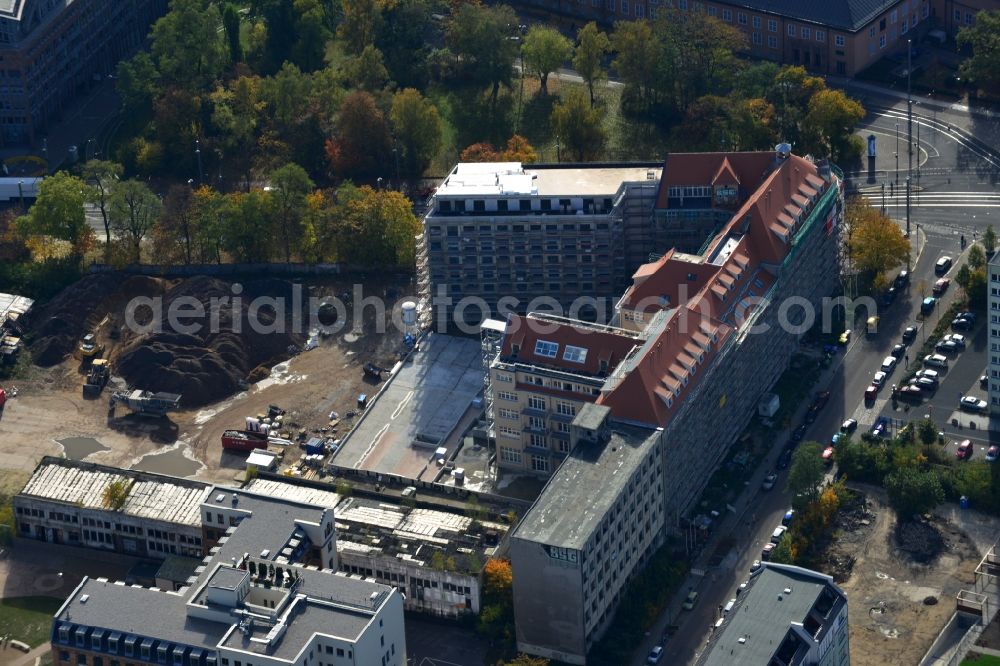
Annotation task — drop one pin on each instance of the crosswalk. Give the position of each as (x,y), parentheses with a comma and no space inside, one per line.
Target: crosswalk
(934,199)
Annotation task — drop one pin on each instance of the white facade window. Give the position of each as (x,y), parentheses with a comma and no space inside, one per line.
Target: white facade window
(507,395)
(772,42)
(712,11)
(893,16)
(871,31)
(501,377)
(727,15)
(640,11)
(755,21)
(546,349)
(508,414)
(741,18)
(625,7)
(805,33)
(539,463)
(510,433)
(534,402)
(821,35)
(881,41)
(566,409)
(904,28)
(756,38)
(838,40)
(574,354)
(772,25)
(510,455)
(791,30)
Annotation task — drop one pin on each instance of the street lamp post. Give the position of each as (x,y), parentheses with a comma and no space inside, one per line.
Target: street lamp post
(909,136)
(20,193)
(897,154)
(395,155)
(197,153)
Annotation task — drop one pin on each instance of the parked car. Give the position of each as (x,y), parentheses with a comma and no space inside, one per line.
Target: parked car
(769,481)
(890,296)
(765,552)
(821,399)
(992,453)
(964,450)
(798,434)
(828,455)
(655,655)
(971,403)
(902,280)
(962,324)
(811,414)
(940,286)
(881,428)
(930,374)
(729,606)
(690,601)
(837,436)
(898,352)
(909,335)
(946,346)
(850,425)
(925,383)
(785,459)
(787,518)
(871,393)
(943,265)
(910,393)
(743,586)
(936,361)
(778,532)
(888,364)
(879,379)
(957,338)
(971,316)
(756,566)
(927,306)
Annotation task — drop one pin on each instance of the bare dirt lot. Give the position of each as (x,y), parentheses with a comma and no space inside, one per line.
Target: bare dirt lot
(49,405)
(897,604)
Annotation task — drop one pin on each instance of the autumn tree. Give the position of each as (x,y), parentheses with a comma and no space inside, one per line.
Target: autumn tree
(134,211)
(367,70)
(360,22)
(525,660)
(789,93)
(544,50)
(362,143)
(236,114)
(579,126)
(386,228)
(102,176)
(496,618)
(517,150)
(417,127)
(830,118)
(983,66)
(637,52)
(290,185)
(876,244)
(479,35)
(588,58)
(58,212)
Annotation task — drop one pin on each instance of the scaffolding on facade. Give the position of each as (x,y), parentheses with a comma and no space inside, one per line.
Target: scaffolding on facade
(491,339)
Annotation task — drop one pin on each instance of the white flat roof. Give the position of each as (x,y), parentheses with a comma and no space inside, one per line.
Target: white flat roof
(471,179)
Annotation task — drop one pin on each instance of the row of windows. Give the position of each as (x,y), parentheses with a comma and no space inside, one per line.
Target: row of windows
(453,231)
(523,205)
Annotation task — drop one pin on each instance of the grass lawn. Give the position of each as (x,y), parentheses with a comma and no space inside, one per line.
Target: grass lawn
(981,660)
(28,619)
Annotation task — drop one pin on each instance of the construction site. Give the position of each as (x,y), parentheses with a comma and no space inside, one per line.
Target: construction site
(100,387)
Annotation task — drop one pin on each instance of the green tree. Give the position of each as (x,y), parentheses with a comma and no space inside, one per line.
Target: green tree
(417,126)
(237,112)
(964,277)
(309,49)
(782,553)
(913,491)
(579,126)
(789,93)
(134,211)
(990,240)
(544,50)
(231,25)
(58,212)
(927,431)
(876,243)
(361,146)
(102,176)
(174,232)
(977,256)
(806,473)
(831,118)
(400,38)
(637,53)
(367,70)
(479,36)
(115,494)
(360,22)
(246,226)
(289,187)
(137,82)
(186,44)
(983,66)
(588,58)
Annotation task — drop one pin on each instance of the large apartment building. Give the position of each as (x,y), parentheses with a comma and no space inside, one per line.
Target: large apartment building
(513,236)
(786,615)
(696,340)
(597,523)
(52,49)
(841,37)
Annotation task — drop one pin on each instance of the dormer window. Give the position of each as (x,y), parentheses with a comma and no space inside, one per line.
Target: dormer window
(546,349)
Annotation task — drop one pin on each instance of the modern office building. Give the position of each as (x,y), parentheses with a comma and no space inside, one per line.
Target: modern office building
(993,362)
(268,594)
(534,235)
(54,49)
(841,37)
(786,615)
(595,525)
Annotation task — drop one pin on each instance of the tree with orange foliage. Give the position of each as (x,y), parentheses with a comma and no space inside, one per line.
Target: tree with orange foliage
(517,150)
(362,143)
(496,618)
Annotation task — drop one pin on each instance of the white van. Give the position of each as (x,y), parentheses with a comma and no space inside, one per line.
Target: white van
(936,361)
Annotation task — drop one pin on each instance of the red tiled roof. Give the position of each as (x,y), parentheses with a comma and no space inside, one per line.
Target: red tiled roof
(600,343)
(700,169)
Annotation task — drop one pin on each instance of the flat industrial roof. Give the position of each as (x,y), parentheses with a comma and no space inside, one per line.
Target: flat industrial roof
(512,178)
(764,613)
(291,491)
(423,401)
(582,490)
(150,496)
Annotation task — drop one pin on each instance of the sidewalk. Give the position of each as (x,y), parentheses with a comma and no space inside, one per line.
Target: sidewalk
(925,101)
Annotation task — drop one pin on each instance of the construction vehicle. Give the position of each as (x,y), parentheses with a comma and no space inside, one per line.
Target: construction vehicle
(90,348)
(146,403)
(97,377)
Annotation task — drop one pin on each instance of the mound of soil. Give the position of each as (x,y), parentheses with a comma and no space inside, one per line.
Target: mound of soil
(919,539)
(202,365)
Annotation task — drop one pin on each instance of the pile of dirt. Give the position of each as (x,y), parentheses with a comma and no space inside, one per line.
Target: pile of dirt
(855,523)
(204,365)
(919,539)
(213,362)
